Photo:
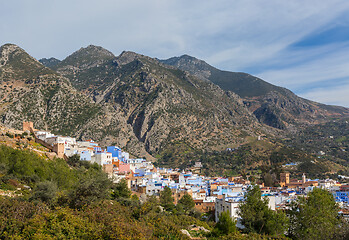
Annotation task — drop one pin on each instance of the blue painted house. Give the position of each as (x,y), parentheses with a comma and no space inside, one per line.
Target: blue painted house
(115,151)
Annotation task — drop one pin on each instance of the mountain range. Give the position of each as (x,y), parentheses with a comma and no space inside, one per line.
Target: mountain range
(145,105)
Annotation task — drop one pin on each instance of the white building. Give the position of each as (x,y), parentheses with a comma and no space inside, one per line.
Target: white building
(327,183)
(102,158)
(230,204)
(69,142)
(42,135)
(125,156)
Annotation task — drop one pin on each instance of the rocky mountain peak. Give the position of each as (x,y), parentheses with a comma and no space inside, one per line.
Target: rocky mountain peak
(194,66)
(95,50)
(11,51)
(9,47)
(86,57)
(186,60)
(128,56)
(17,64)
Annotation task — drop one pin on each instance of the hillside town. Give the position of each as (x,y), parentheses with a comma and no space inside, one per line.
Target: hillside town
(210,194)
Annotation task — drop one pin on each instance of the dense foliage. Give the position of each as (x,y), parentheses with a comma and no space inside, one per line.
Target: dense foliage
(78,201)
(257,217)
(316,217)
(74,202)
(105,220)
(166,199)
(186,202)
(30,169)
(225,225)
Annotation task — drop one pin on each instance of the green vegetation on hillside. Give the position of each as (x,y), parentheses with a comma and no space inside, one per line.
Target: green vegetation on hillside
(316,217)
(28,168)
(257,217)
(74,202)
(251,158)
(329,141)
(85,204)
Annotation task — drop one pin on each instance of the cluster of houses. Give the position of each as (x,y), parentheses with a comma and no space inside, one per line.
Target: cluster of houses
(209,193)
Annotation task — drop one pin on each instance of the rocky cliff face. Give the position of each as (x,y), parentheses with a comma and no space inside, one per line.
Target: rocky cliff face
(157,104)
(130,100)
(144,105)
(272,105)
(30,91)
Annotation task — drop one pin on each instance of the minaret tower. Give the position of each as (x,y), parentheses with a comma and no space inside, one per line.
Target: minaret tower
(303,178)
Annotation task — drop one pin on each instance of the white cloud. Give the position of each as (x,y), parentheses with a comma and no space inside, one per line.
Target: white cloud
(332,65)
(162,27)
(337,95)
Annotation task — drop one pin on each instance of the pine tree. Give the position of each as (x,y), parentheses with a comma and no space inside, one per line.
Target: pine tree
(314,217)
(166,199)
(225,225)
(186,202)
(121,190)
(257,217)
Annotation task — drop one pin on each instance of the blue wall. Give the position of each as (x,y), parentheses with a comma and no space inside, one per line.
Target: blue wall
(115,151)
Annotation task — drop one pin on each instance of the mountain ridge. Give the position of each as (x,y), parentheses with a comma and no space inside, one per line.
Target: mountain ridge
(135,102)
(273,105)
(146,106)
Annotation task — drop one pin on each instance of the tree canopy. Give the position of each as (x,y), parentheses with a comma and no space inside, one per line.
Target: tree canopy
(225,225)
(121,190)
(257,217)
(186,202)
(315,216)
(166,199)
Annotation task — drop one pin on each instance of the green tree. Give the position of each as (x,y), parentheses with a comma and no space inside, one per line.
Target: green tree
(121,190)
(74,160)
(268,180)
(257,217)
(45,192)
(91,188)
(225,225)
(59,224)
(314,217)
(166,199)
(186,202)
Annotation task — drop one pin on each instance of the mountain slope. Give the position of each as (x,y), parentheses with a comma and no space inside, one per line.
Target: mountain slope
(149,108)
(49,62)
(275,106)
(161,104)
(243,84)
(85,64)
(30,91)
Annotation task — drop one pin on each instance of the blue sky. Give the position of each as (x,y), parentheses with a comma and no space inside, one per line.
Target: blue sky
(301,45)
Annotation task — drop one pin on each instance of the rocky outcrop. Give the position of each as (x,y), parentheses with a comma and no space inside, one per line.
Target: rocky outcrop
(49,62)
(130,100)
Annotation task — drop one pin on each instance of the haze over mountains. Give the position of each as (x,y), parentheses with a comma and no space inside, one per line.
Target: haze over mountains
(145,104)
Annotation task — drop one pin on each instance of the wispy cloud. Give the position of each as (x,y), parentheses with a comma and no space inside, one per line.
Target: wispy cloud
(337,95)
(315,66)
